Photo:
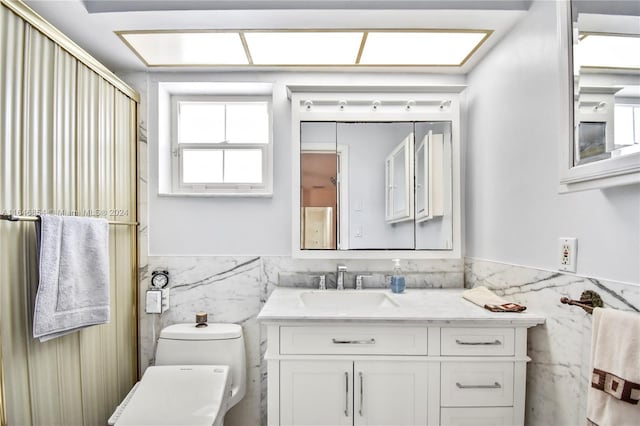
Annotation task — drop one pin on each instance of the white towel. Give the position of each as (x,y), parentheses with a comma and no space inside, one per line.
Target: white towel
(612,398)
(487,299)
(73,289)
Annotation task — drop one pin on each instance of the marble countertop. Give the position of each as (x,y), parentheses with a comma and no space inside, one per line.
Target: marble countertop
(414,305)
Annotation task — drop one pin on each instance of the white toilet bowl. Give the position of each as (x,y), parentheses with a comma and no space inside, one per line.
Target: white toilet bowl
(201,374)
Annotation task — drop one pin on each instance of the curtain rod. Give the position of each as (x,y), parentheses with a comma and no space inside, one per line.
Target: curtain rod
(14,218)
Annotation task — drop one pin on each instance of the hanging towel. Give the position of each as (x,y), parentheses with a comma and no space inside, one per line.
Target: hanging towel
(73,288)
(612,398)
(484,297)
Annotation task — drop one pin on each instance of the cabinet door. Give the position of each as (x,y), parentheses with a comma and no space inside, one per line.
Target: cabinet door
(390,393)
(316,393)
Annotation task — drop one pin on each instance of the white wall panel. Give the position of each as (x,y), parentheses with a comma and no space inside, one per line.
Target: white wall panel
(514,213)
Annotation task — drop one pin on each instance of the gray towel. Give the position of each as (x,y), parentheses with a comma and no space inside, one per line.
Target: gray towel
(73,291)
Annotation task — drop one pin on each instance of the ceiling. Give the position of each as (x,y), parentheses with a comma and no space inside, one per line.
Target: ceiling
(93,24)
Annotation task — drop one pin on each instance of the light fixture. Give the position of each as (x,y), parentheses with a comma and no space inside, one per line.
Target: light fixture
(375,105)
(342,104)
(445,104)
(303,47)
(186,48)
(603,50)
(601,105)
(426,47)
(308,105)
(410,104)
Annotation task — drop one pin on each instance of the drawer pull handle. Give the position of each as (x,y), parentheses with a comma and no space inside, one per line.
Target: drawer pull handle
(496,385)
(346,394)
(495,342)
(361,393)
(354,342)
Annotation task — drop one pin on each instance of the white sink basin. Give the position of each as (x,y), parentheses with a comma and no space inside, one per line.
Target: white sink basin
(343,299)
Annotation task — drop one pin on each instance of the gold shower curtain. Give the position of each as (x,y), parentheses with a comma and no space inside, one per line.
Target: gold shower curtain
(67,147)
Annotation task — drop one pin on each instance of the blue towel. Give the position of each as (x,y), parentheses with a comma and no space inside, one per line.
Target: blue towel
(73,288)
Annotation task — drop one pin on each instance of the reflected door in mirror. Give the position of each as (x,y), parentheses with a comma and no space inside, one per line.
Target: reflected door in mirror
(319,197)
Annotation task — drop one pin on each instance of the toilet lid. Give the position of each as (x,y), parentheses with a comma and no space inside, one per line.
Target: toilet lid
(173,395)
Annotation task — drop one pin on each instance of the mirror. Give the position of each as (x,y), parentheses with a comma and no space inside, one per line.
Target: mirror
(606,80)
(376,185)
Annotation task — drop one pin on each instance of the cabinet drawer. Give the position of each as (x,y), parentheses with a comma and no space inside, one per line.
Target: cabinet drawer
(476,384)
(334,340)
(485,416)
(477,341)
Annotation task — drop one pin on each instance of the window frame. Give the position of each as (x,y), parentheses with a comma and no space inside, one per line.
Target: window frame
(178,186)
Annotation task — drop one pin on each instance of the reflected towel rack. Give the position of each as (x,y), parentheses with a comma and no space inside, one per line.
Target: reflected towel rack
(14,218)
(588,300)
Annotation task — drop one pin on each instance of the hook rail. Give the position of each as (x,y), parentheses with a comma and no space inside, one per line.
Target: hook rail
(15,218)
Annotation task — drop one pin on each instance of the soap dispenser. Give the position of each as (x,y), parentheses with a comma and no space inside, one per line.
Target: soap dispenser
(397,279)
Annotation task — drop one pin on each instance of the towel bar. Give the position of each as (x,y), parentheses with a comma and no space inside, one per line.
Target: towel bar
(14,218)
(588,300)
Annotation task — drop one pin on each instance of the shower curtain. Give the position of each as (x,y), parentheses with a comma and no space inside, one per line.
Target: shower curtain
(68,146)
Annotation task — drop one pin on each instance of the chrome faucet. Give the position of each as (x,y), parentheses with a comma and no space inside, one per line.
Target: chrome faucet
(340,277)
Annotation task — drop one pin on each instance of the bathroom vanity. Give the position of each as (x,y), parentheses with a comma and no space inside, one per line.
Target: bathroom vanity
(370,357)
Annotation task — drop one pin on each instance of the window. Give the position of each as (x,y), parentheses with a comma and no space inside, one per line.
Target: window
(221,146)
(627,125)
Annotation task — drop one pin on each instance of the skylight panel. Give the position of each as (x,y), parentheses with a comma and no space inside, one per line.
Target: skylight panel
(303,47)
(445,48)
(318,47)
(187,48)
(603,50)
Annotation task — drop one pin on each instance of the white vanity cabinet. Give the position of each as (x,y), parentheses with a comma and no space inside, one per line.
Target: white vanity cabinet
(422,358)
(395,374)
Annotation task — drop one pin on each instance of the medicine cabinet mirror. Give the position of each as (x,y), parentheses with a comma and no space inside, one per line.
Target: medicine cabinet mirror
(605,75)
(376,177)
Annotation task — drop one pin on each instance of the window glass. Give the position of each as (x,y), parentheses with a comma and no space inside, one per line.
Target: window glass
(202,166)
(248,123)
(201,122)
(243,166)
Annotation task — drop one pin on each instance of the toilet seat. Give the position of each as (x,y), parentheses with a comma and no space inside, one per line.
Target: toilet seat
(177,395)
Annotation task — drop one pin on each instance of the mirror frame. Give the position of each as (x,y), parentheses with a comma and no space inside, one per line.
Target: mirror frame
(617,171)
(324,106)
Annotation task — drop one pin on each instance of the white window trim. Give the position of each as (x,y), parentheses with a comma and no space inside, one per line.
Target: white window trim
(265,189)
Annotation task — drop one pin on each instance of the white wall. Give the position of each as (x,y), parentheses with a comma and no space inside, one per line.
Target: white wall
(514,213)
(180,225)
(369,145)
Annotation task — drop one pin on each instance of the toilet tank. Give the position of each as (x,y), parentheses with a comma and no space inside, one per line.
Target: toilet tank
(216,344)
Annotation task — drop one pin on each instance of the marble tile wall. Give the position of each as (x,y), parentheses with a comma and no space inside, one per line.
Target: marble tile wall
(233,290)
(558,375)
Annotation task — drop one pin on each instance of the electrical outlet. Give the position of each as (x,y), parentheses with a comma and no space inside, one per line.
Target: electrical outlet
(568,254)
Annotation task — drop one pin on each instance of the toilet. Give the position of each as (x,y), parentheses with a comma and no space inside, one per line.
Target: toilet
(199,374)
